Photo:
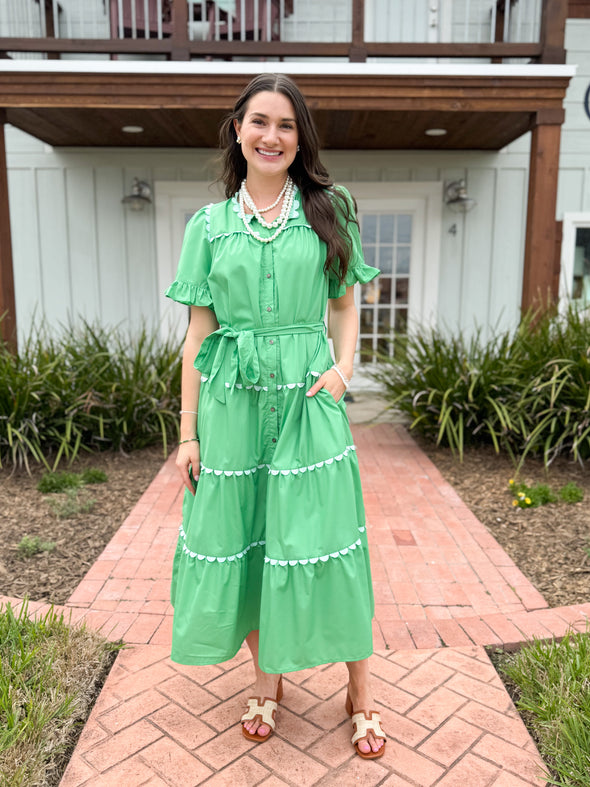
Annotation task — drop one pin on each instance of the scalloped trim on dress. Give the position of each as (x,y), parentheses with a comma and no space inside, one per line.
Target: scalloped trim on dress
(291,471)
(272,561)
(289,386)
(212,558)
(249,216)
(320,559)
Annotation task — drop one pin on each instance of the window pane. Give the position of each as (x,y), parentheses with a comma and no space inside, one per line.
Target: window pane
(385,264)
(401,290)
(403,260)
(367,320)
(404,228)
(401,320)
(384,322)
(384,289)
(386,225)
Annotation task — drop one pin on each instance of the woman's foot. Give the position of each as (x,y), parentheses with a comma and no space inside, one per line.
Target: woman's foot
(267,692)
(360,700)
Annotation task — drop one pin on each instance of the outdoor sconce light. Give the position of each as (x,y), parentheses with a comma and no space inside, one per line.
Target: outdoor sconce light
(141,195)
(456,197)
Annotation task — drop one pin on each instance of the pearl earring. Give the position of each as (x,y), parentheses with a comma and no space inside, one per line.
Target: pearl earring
(239,139)
(298,148)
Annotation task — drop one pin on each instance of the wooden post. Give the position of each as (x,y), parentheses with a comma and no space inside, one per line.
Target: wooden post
(7,301)
(553,31)
(539,252)
(358,51)
(180,42)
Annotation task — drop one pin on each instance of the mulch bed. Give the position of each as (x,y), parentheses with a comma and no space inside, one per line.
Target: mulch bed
(53,576)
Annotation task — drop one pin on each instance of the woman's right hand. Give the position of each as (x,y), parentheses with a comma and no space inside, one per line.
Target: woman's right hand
(189,456)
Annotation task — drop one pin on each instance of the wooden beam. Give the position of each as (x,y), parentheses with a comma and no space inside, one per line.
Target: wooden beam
(175,47)
(7,300)
(539,253)
(180,43)
(553,21)
(578,9)
(358,52)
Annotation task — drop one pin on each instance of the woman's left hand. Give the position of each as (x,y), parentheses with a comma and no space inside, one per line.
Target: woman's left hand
(332,382)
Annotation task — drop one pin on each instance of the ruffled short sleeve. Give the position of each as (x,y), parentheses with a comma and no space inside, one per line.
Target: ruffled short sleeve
(191,284)
(358,270)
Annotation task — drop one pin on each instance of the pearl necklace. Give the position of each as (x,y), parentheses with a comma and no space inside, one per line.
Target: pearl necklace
(250,202)
(279,222)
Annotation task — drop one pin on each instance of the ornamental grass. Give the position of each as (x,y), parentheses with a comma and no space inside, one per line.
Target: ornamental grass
(50,674)
(88,388)
(524,392)
(549,682)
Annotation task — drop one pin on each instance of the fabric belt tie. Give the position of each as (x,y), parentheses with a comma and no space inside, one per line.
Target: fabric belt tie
(240,346)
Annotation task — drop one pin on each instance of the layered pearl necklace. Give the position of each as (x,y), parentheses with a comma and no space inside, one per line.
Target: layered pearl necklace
(287,194)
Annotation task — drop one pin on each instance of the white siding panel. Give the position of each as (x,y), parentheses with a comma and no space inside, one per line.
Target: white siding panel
(81,216)
(53,241)
(28,283)
(141,256)
(478,251)
(507,248)
(112,257)
(450,290)
(570,192)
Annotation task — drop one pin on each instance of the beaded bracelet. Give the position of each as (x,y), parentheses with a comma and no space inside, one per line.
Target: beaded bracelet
(189,440)
(191,412)
(339,372)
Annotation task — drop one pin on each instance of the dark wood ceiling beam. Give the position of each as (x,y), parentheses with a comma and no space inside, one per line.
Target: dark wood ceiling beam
(450,93)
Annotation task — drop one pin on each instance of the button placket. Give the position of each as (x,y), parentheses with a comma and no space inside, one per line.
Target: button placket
(271,416)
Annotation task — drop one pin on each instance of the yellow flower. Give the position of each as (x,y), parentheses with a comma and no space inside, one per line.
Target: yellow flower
(511,482)
(521,495)
(515,502)
(527,500)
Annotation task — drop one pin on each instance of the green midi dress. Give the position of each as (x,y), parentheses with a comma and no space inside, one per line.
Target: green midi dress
(274,538)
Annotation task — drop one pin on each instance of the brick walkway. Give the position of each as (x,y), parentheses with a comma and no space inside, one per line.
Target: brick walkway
(443,587)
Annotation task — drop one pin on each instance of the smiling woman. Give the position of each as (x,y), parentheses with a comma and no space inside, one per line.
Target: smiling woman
(285,565)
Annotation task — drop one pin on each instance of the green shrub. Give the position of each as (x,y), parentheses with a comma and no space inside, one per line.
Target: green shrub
(525,391)
(93,475)
(30,546)
(58,482)
(89,388)
(571,493)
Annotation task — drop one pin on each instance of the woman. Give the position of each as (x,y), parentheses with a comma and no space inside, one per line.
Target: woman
(273,547)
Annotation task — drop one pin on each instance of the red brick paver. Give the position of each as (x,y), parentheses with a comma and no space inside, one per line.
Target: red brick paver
(444,589)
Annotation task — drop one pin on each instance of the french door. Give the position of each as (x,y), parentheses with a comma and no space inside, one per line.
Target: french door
(400,234)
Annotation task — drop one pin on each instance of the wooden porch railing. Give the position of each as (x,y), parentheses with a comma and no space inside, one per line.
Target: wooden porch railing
(178,45)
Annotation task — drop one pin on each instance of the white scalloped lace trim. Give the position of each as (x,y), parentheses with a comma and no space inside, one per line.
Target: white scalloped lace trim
(211,558)
(271,471)
(272,561)
(320,559)
(283,386)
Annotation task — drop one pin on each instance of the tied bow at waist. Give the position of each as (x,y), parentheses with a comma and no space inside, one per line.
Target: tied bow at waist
(240,348)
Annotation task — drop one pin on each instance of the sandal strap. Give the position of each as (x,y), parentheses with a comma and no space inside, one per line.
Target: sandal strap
(266,711)
(364,723)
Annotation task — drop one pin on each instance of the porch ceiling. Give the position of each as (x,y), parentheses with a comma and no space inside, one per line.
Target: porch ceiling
(352,112)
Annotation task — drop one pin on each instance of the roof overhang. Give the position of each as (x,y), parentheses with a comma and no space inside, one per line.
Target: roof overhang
(356,105)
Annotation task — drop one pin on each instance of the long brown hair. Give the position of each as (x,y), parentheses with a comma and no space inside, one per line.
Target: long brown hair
(325,207)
